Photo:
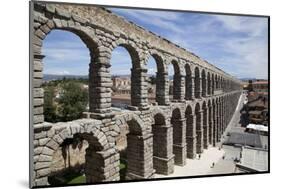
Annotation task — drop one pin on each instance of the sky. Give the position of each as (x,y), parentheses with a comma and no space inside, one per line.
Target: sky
(236,44)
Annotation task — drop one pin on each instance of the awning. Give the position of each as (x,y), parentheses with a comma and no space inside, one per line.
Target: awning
(257,127)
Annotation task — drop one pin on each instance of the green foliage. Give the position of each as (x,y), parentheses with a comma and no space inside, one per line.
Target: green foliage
(49,108)
(123,169)
(71,102)
(78,180)
(68,177)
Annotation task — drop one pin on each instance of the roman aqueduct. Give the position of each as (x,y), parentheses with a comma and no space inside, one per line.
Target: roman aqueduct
(160,135)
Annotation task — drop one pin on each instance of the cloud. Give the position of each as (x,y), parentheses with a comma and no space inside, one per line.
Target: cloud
(160,19)
(236,44)
(250,25)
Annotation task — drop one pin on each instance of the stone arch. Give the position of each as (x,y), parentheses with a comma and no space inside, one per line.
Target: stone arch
(216,82)
(214,108)
(217,119)
(205,125)
(199,129)
(179,136)
(132,49)
(213,84)
(159,111)
(161,77)
(176,80)
(222,84)
(210,121)
(52,23)
(209,86)
(163,158)
(138,146)
(204,83)
(188,83)
(190,133)
(97,154)
(138,72)
(197,82)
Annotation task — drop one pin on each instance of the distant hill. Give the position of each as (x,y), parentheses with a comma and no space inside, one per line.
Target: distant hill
(247,79)
(253,79)
(50,77)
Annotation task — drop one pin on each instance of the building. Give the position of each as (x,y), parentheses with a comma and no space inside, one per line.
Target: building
(259,86)
(257,108)
(121,85)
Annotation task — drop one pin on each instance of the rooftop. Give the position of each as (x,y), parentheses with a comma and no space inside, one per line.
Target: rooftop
(255,159)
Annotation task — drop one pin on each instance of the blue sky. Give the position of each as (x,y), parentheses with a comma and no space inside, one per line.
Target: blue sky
(236,44)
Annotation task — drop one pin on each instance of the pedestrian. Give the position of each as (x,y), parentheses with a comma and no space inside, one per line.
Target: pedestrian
(199,156)
(223,157)
(213,164)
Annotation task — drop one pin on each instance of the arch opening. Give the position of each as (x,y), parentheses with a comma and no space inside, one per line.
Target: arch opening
(197,83)
(65,77)
(179,137)
(121,64)
(190,133)
(78,159)
(162,145)
(188,83)
(199,129)
(205,126)
(156,80)
(209,87)
(204,83)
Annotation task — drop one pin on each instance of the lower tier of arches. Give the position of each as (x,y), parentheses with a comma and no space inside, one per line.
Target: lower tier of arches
(154,140)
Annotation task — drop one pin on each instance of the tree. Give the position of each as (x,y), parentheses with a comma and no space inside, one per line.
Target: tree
(72,102)
(49,107)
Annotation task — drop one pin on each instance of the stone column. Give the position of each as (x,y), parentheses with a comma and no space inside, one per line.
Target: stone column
(198,89)
(211,124)
(191,136)
(179,87)
(179,141)
(139,97)
(209,81)
(38,92)
(218,123)
(140,157)
(42,154)
(199,132)
(224,115)
(205,129)
(101,166)
(222,118)
(221,123)
(213,86)
(189,87)
(100,88)
(163,157)
(162,88)
(204,84)
(214,126)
